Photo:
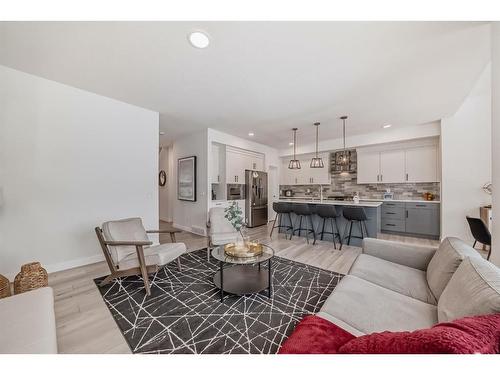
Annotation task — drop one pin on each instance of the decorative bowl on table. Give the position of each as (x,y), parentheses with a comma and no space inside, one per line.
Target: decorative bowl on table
(243,250)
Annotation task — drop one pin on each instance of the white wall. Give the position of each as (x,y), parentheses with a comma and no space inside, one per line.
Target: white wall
(163,191)
(495,67)
(191,216)
(69,160)
(466,159)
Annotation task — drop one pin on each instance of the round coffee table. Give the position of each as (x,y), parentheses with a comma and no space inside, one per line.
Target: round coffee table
(244,275)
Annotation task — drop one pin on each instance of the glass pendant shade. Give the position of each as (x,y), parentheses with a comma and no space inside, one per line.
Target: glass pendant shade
(294,163)
(317,162)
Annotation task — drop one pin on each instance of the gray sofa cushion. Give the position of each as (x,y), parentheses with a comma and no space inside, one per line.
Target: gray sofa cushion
(371,308)
(445,262)
(402,279)
(474,289)
(340,323)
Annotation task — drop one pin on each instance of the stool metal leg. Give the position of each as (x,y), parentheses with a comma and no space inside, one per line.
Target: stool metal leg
(350,232)
(274,224)
(312,229)
(338,232)
(333,233)
(323,229)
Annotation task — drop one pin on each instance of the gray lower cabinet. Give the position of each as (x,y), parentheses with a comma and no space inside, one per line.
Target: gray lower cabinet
(411,218)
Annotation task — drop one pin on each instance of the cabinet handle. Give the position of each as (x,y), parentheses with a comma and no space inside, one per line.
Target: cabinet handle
(254,166)
(390,225)
(407,177)
(390,213)
(381,177)
(407,214)
(218,178)
(420,205)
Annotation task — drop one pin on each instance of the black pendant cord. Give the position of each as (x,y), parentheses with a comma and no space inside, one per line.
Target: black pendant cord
(294,143)
(317,135)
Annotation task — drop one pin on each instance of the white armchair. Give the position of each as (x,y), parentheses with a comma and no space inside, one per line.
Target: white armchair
(220,231)
(128,250)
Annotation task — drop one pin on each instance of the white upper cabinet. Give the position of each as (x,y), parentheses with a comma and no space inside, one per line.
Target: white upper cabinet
(368,167)
(237,161)
(320,176)
(392,166)
(422,164)
(398,165)
(214,160)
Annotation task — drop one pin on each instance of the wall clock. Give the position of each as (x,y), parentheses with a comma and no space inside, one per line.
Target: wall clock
(163,178)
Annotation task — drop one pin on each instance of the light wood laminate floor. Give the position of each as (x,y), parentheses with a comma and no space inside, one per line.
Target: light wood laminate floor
(85,325)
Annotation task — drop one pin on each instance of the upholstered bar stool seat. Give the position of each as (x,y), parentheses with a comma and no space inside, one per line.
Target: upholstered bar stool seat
(354,215)
(282,209)
(304,214)
(329,213)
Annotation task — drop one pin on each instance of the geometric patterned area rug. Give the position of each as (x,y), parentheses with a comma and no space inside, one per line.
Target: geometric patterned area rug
(184,313)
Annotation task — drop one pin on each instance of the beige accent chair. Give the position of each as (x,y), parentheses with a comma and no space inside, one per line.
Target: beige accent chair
(128,250)
(220,231)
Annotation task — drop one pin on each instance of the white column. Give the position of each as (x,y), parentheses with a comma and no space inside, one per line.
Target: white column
(495,139)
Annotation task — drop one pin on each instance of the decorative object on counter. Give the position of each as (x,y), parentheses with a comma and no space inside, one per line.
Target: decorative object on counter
(316,161)
(294,163)
(186,179)
(32,276)
(428,196)
(488,188)
(4,287)
(162,178)
(388,195)
(355,198)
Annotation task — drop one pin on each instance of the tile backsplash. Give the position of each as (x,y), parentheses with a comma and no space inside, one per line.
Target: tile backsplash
(346,185)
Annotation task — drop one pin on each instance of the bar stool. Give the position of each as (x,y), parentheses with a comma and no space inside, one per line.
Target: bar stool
(303,211)
(328,212)
(282,208)
(354,214)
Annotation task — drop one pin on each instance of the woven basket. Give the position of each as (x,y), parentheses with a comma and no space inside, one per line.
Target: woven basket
(32,276)
(4,287)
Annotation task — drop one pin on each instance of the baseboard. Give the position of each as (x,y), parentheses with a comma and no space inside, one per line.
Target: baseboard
(187,229)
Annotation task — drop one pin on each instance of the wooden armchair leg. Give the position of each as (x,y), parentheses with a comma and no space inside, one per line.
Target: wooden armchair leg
(179,266)
(144,271)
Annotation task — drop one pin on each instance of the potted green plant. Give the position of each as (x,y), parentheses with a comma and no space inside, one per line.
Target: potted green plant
(234,215)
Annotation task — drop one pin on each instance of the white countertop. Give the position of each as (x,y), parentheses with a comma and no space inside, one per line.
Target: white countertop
(333,202)
(309,200)
(399,200)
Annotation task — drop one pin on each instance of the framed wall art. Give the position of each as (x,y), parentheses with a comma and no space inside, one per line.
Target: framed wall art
(186,179)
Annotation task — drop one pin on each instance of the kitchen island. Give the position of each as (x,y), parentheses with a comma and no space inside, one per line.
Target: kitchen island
(372,209)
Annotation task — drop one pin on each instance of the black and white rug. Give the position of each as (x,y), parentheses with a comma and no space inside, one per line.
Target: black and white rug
(184,313)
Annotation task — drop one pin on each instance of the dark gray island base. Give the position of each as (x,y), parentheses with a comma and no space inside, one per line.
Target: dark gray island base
(372,209)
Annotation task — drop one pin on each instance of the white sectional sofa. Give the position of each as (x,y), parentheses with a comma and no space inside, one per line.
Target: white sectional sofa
(399,287)
(27,323)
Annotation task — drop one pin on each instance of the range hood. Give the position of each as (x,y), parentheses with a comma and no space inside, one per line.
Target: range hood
(336,165)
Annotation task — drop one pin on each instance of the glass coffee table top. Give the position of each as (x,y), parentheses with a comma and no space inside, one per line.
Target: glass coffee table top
(219,254)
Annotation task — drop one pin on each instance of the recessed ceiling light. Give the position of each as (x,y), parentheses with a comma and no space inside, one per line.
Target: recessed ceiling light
(162,133)
(387,126)
(251,134)
(290,144)
(199,39)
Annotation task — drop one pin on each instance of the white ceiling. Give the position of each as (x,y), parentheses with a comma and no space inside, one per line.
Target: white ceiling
(264,77)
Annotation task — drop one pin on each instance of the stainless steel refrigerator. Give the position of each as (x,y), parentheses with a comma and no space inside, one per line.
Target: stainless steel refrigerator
(256,198)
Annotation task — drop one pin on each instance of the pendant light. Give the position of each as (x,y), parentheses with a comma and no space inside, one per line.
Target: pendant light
(294,163)
(317,162)
(344,159)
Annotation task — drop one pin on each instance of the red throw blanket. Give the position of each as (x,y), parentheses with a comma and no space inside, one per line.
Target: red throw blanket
(478,334)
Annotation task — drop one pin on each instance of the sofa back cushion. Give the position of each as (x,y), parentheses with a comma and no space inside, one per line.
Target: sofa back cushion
(474,289)
(124,230)
(445,262)
(478,334)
